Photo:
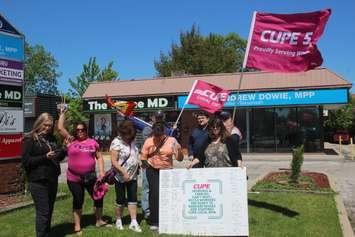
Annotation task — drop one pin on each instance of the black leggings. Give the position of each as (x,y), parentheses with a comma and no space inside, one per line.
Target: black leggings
(77,190)
(122,188)
(153,180)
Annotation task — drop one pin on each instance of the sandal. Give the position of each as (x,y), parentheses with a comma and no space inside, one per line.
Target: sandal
(103,224)
(78,232)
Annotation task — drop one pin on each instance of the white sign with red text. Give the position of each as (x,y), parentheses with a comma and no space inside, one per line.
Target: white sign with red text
(204,202)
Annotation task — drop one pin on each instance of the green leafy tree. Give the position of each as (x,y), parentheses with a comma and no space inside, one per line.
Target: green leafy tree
(197,54)
(41,72)
(108,74)
(91,72)
(340,119)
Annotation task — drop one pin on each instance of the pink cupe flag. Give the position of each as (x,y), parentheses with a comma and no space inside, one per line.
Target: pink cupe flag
(285,42)
(207,96)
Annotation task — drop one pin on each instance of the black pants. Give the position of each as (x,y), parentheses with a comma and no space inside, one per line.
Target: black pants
(43,194)
(78,192)
(153,180)
(128,187)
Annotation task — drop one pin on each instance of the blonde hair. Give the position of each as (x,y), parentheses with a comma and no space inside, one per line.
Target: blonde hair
(37,126)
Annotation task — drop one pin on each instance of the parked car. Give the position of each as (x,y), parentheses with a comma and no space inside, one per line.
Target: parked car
(345,136)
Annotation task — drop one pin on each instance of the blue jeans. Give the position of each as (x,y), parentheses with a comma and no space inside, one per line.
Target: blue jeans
(145,193)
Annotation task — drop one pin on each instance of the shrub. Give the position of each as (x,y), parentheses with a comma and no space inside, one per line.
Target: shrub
(296,164)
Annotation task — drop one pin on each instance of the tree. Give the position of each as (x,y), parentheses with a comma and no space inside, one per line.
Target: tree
(340,119)
(91,72)
(197,54)
(108,74)
(40,71)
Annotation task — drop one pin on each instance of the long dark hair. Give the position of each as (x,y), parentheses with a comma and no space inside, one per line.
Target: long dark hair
(126,128)
(158,129)
(217,123)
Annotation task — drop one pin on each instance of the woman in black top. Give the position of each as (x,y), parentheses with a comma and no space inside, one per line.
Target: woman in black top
(40,159)
(220,149)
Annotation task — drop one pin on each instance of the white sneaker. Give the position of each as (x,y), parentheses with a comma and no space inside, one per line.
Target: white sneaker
(135,227)
(119,225)
(154,227)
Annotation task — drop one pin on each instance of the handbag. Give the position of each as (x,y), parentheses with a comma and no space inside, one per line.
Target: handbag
(110,176)
(89,178)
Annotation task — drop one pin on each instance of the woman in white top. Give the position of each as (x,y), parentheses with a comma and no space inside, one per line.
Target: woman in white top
(124,157)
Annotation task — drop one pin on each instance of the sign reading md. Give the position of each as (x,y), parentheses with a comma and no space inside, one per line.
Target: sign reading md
(207,201)
(281,98)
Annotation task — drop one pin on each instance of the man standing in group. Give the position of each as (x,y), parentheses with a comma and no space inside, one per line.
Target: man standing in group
(198,137)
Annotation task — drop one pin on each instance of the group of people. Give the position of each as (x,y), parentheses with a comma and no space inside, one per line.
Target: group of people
(214,143)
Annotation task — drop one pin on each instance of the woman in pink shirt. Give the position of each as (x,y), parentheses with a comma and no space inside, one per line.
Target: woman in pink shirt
(83,153)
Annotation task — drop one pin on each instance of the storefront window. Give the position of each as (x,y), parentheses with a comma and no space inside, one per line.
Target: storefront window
(286,129)
(262,137)
(310,128)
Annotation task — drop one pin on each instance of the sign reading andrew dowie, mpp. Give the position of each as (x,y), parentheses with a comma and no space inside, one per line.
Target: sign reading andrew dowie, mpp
(275,98)
(11,47)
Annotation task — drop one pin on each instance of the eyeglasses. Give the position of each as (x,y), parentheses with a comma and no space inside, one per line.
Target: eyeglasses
(80,130)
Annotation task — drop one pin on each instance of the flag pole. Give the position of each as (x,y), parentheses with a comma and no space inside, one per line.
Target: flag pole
(238,91)
(244,63)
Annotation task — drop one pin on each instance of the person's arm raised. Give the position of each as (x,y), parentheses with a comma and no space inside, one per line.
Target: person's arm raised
(61,128)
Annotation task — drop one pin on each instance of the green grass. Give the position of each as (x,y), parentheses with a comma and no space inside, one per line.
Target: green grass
(270,214)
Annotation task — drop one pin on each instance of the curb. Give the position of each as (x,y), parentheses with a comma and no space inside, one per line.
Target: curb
(22,205)
(343,215)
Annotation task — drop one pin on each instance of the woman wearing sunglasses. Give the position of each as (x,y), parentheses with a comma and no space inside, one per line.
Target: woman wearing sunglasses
(220,150)
(83,153)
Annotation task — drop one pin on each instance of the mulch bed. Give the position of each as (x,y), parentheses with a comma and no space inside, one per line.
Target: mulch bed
(319,179)
(10,199)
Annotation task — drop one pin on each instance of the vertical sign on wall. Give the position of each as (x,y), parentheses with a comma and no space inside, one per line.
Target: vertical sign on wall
(11,104)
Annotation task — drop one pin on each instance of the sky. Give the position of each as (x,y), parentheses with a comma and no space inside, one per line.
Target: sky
(133,33)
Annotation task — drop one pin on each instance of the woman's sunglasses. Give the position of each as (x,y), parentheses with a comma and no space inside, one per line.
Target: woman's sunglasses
(80,130)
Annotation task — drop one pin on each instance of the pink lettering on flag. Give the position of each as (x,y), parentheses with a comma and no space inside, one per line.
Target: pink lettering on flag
(285,42)
(207,96)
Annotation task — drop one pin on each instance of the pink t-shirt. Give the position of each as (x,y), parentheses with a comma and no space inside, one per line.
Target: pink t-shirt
(81,158)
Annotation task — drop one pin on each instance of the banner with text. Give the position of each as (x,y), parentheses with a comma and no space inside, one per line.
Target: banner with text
(207,96)
(11,121)
(11,47)
(10,145)
(11,96)
(282,98)
(208,201)
(11,72)
(285,42)
(143,103)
